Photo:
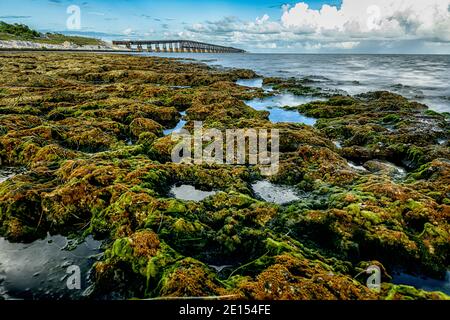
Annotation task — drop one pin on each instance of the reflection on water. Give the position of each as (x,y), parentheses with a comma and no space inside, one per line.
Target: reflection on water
(39,270)
(386,167)
(254,83)
(275,193)
(275,104)
(189,193)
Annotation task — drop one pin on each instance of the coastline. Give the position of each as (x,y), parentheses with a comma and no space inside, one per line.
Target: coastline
(95,154)
(21,45)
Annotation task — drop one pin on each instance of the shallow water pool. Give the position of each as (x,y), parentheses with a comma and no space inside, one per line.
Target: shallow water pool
(424,283)
(180,125)
(7,173)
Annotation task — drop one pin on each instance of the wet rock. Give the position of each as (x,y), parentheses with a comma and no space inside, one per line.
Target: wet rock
(189,193)
(386,168)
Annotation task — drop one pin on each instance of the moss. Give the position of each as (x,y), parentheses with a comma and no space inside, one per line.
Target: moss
(88,129)
(292,277)
(391,118)
(416,155)
(175,206)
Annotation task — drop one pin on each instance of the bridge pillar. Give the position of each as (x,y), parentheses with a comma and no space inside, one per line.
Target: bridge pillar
(175,46)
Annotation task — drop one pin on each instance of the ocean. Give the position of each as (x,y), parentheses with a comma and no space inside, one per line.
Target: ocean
(423,78)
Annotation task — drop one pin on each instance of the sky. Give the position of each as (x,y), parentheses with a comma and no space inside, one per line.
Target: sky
(308,26)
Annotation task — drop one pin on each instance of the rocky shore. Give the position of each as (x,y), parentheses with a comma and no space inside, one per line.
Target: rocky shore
(33,45)
(87,136)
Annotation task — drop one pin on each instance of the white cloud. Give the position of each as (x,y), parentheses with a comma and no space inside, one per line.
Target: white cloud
(343,45)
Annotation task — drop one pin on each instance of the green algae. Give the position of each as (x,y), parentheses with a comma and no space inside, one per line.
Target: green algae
(89,131)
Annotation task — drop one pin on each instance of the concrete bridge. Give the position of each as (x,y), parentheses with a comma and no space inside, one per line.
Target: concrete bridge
(175,46)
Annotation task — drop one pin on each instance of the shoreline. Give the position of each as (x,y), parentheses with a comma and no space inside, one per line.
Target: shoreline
(63,50)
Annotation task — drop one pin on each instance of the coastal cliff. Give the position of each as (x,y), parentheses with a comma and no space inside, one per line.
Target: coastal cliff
(87,136)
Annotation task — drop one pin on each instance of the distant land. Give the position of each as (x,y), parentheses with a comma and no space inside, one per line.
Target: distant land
(20,36)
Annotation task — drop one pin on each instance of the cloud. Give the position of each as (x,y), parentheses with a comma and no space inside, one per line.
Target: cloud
(15,17)
(355,24)
(331,45)
(129,32)
(372,19)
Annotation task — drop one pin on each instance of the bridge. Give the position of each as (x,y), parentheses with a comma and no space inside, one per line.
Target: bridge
(175,46)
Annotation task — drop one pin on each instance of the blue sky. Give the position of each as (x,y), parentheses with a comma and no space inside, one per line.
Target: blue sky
(258,25)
